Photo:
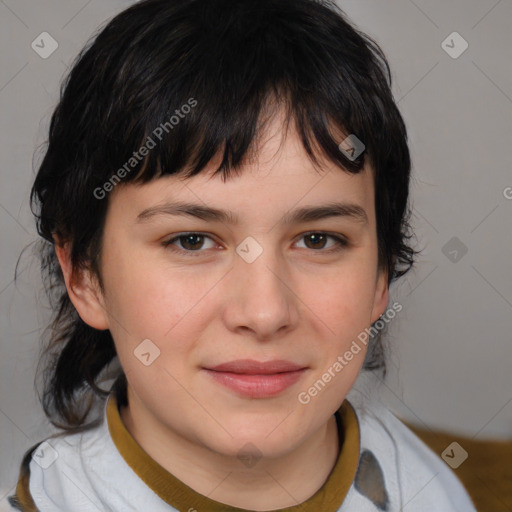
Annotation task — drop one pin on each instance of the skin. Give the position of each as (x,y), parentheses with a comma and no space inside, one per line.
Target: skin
(296,302)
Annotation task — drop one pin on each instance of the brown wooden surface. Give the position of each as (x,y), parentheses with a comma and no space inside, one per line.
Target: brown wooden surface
(486,473)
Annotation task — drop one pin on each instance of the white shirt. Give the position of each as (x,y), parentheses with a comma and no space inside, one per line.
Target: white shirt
(396,472)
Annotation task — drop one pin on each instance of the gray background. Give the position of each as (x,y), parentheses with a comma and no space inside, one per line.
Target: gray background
(450,348)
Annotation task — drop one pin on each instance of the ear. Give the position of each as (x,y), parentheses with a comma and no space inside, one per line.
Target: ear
(381,299)
(83,290)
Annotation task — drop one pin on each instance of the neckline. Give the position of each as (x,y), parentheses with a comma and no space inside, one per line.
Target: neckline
(174,492)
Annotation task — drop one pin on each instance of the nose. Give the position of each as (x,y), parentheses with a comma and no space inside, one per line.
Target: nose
(261,300)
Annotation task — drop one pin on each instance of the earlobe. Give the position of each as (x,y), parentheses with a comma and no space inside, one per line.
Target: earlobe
(381,298)
(83,290)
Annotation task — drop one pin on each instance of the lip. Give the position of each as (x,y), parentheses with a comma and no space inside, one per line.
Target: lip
(255,379)
(253,367)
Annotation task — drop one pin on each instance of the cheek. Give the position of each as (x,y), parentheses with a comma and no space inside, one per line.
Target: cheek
(147,295)
(150,299)
(149,304)
(344,300)
(342,308)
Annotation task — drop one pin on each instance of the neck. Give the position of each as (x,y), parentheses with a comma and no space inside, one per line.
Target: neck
(271,484)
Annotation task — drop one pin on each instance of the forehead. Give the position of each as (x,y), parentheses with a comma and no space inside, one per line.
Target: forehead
(277,177)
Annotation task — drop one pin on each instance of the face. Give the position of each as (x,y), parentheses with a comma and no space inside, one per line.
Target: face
(258,285)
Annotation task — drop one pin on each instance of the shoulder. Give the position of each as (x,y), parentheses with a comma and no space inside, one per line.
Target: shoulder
(81,471)
(51,467)
(412,473)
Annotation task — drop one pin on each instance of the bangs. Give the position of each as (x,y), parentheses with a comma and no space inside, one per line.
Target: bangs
(186,93)
(185,146)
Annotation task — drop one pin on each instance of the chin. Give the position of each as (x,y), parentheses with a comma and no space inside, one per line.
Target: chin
(254,441)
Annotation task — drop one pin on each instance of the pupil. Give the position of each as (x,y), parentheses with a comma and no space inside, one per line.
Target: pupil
(189,240)
(317,237)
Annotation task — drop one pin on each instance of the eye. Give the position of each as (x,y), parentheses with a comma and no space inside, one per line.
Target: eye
(190,242)
(316,240)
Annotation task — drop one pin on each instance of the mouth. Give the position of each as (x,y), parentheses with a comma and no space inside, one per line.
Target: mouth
(254,379)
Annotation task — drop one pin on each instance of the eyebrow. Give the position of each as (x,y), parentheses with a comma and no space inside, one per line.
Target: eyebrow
(304,214)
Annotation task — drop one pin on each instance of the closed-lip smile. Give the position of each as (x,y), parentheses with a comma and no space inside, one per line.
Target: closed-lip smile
(254,379)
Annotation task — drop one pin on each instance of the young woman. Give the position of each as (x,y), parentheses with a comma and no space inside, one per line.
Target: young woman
(223,203)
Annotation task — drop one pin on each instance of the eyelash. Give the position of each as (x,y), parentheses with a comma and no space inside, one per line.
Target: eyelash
(341,242)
